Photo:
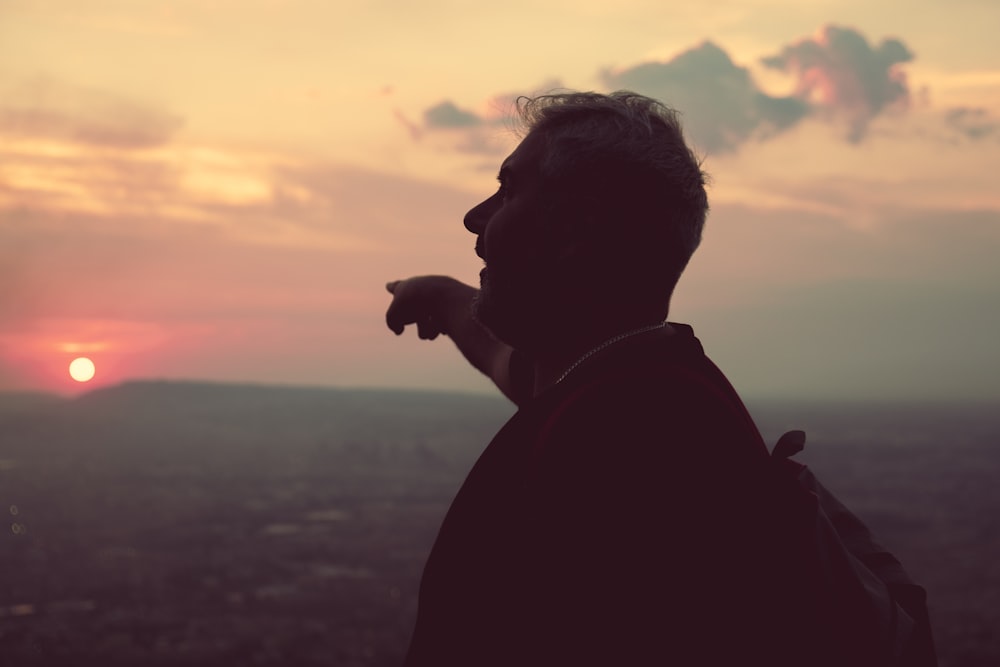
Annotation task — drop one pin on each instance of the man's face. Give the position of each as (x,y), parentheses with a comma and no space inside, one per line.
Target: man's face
(511,230)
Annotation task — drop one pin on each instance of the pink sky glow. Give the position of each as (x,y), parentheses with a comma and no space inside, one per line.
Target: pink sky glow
(219,191)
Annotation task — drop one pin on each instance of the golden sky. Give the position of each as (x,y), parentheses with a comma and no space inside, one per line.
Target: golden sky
(219,189)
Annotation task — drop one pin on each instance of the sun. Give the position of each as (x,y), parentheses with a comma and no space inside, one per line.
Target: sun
(81,369)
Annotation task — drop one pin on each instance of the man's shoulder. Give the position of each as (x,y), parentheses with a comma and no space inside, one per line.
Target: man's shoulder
(666,374)
(660,401)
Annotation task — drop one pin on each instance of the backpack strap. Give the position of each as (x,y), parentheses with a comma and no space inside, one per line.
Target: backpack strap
(789,444)
(878,615)
(863,573)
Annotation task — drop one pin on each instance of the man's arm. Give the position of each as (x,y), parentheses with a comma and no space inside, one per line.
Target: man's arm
(443,305)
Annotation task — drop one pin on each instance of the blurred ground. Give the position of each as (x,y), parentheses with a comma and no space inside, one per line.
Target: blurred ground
(176,524)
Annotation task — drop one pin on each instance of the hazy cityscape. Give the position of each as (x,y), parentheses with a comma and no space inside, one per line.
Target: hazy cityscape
(198,524)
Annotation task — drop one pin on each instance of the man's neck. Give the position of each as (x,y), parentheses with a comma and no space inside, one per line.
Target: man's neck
(558,364)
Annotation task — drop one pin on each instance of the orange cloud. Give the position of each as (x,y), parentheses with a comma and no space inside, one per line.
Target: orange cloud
(839,70)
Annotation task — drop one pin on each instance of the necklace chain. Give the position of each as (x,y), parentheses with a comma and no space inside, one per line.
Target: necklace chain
(609,342)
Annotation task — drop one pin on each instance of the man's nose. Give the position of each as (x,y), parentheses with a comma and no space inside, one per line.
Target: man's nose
(475,220)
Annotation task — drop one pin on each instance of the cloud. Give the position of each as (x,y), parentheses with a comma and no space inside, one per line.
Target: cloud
(501,107)
(972,122)
(461,130)
(415,131)
(721,105)
(44,108)
(477,133)
(837,75)
(298,275)
(840,71)
(446,114)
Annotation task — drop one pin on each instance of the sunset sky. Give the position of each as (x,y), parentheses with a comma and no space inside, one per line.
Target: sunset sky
(219,189)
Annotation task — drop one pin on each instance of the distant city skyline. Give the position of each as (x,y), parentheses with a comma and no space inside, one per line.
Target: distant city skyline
(220,190)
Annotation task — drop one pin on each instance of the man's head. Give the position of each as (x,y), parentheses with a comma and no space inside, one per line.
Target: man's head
(600,209)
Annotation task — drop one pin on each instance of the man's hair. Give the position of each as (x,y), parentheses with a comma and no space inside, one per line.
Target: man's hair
(618,164)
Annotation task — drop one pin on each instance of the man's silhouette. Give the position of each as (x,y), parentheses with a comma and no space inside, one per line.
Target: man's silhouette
(629,512)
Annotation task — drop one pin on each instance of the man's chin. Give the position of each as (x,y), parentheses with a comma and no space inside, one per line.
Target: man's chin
(510,319)
(487,313)
(482,303)
(482,310)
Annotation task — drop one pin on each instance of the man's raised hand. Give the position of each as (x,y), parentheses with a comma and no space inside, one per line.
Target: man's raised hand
(443,305)
(430,302)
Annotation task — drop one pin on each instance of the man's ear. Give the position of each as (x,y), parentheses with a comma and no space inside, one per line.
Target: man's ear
(582,260)
(572,239)
(574,232)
